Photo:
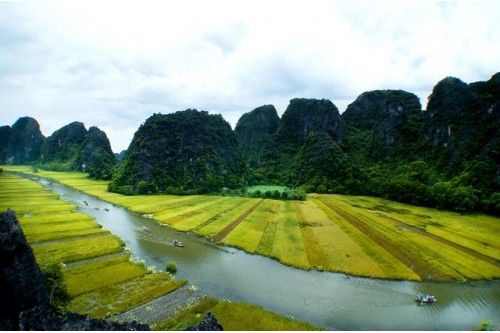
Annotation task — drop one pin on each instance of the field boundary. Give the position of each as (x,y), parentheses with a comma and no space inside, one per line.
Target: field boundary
(224,232)
(413,262)
(459,247)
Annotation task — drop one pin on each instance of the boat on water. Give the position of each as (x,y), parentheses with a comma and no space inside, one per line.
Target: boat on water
(422,298)
(146,229)
(178,243)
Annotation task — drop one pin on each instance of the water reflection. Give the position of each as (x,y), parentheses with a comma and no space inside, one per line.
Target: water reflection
(330,300)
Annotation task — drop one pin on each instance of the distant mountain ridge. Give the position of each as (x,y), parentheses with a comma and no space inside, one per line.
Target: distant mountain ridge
(384,145)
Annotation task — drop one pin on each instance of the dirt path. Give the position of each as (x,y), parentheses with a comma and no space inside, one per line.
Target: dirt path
(224,232)
(163,308)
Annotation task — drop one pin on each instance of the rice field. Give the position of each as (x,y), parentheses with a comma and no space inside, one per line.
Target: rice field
(361,236)
(96,270)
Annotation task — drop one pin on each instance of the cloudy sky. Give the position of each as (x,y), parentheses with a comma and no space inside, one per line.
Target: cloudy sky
(112,64)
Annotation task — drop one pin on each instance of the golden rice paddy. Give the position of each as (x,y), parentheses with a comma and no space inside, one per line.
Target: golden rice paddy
(361,236)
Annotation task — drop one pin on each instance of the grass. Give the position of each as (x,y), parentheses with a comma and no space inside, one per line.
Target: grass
(248,317)
(265,188)
(118,298)
(71,250)
(357,235)
(98,275)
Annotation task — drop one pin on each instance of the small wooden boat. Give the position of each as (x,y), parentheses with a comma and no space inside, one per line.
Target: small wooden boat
(425,298)
(146,229)
(178,243)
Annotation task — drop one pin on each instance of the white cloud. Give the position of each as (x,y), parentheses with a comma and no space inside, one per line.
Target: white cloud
(112,64)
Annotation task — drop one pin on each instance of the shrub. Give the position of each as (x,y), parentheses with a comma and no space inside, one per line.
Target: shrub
(171,267)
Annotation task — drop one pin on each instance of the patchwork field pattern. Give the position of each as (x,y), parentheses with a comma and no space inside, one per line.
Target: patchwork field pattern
(361,236)
(97,273)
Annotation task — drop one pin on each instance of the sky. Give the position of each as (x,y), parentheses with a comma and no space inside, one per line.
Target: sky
(113,64)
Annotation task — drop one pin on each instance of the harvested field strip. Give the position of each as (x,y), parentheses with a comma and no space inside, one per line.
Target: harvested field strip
(481,245)
(443,240)
(270,218)
(436,258)
(118,298)
(227,215)
(414,262)
(248,234)
(315,254)
(477,232)
(75,250)
(288,245)
(224,232)
(265,246)
(353,252)
(440,257)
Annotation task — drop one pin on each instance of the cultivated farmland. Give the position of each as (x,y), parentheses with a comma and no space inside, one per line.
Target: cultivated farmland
(361,236)
(96,270)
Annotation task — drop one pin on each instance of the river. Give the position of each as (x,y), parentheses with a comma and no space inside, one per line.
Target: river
(330,300)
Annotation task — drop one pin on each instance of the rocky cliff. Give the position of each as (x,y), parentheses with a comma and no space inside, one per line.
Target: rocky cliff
(97,157)
(21,143)
(73,148)
(253,131)
(25,302)
(381,122)
(184,152)
(308,128)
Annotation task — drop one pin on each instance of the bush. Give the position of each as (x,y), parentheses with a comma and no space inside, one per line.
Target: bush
(171,267)
(58,295)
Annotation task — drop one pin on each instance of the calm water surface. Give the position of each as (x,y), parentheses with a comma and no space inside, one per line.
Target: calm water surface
(331,300)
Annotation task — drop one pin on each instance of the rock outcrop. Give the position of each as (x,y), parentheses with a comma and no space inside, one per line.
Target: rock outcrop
(209,323)
(21,143)
(183,152)
(25,302)
(382,116)
(73,148)
(253,132)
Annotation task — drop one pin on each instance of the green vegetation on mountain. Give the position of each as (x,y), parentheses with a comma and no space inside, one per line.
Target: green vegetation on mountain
(383,145)
(73,148)
(305,122)
(21,143)
(253,131)
(184,152)
(445,157)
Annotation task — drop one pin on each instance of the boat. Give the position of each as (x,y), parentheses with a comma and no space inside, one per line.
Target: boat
(146,229)
(422,298)
(178,243)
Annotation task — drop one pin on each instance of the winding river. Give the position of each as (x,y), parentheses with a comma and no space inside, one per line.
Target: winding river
(330,300)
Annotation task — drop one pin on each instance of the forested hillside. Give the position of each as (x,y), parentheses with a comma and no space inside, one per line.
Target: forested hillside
(184,152)
(21,143)
(384,144)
